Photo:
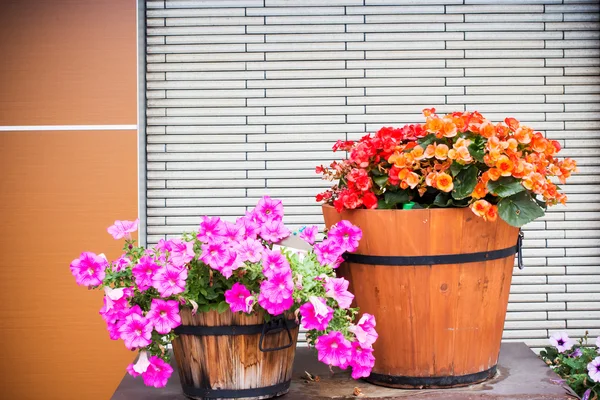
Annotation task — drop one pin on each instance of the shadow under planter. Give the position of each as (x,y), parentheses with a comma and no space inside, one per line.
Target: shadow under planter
(520,375)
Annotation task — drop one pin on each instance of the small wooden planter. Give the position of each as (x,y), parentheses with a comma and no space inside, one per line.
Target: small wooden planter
(437,281)
(234,356)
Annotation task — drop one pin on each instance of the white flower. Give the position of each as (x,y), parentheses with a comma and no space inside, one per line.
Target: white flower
(142,363)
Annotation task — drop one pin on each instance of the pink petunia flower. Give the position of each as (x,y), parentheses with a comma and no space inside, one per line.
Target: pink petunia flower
(181,252)
(140,366)
(274,263)
(144,271)
(163,245)
(215,255)
(136,331)
(268,209)
(316,314)
(345,235)
(594,369)
(234,262)
(274,231)
(337,289)
(233,232)
(89,269)
(250,225)
(249,250)
(123,229)
(309,234)
(365,331)
(115,302)
(158,372)
(561,341)
(334,349)
(121,263)
(164,315)
(598,343)
(328,253)
(362,361)
(211,229)
(237,298)
(276,293)
(170,280)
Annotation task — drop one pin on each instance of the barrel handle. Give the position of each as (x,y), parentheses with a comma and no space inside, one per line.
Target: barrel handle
(273,326)
(520,250)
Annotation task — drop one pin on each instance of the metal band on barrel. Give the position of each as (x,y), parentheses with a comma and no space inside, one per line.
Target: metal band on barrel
(431,260)
(434,381)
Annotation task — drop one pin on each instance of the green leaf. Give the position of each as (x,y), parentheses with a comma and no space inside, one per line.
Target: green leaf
(381,181)
(519,209)
(465,182)
(455,168)
(222,307)
(427,140)
(442,200)
(476,152)
(382,205)
(505,186)
(393,198)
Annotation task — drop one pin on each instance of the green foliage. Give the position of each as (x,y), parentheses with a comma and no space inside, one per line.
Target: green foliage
(444,200)
(519,209)
(381,180)
(393,198)
(505,186)
(477,147)
(464,182)
(573,367)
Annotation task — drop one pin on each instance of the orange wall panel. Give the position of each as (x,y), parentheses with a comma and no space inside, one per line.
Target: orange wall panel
(59,193)
(68,62)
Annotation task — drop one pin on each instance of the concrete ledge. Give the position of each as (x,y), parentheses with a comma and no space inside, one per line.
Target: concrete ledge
(521,375)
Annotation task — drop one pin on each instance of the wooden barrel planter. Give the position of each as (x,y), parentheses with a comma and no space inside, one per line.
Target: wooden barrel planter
(234,356)
(437,282)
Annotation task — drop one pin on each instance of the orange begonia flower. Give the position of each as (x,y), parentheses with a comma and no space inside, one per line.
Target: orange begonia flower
(493,174)
(417,153)
(448,128)
(430,179)
(429,151)
(444,182)
(441,152)
(487,129)
(502,130)
(505,166)
(523,135)
(512,144)
(491,214)
(412,180)
(512,123)
(480,207)
(480,190)
(428,111)
(433,125)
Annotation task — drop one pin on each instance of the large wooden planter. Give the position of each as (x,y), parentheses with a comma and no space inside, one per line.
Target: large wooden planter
(439,319)
(234,356)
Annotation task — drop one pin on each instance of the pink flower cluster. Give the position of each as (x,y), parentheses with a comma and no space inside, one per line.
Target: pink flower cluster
(154,370)
(341,237)
(334,349)
(227,245)
(144,288)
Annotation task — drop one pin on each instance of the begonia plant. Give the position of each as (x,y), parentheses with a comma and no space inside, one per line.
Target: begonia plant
(455,160)
(230,266)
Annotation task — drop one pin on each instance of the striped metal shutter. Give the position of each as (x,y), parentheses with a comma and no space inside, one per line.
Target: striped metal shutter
(246,97)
